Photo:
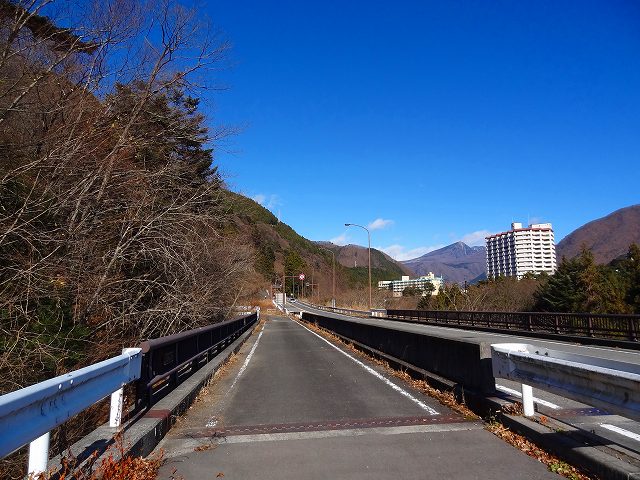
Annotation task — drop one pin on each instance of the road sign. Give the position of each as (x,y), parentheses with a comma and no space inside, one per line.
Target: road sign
(301,276)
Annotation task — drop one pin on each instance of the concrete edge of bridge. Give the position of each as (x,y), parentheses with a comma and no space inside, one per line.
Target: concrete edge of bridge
(561,444)
(141,434)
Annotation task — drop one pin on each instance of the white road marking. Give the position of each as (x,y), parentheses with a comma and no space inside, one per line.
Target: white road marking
(511,391)
(213,422)
(376,374)
(246,362)
(621,431)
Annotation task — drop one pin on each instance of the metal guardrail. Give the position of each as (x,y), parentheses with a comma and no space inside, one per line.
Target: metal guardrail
(32,412)
(29,414)
(609,384)
(344,311)
(606,326)
(167,361)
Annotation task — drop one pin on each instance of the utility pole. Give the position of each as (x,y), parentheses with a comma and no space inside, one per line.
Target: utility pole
(333,255)
(369,238)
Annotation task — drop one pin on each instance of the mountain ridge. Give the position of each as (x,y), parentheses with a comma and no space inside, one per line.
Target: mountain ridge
(607,237)
(457,263)
(352,256)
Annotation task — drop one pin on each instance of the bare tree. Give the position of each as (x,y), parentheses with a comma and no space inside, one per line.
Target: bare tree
(111,216)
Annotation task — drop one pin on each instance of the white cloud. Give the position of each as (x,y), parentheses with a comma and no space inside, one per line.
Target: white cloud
(340,240)
(260,198)
(267,201)
(379,224)
(400,253)
(475,238)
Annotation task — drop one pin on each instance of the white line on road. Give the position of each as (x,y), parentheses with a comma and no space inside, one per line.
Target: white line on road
(376,374)
(246,362)
(511,391)
(213,421)
(621,431)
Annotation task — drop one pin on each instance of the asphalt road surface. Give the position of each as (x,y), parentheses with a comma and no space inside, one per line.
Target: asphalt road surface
(620,436)
(295,406)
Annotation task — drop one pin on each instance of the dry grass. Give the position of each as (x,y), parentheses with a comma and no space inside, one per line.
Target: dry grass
(115,465)
(553,463)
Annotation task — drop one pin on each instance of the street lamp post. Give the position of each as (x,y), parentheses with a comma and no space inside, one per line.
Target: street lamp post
(284,283)
(369,238)
(333,300)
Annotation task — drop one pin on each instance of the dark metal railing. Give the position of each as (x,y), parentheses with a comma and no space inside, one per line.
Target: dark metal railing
(345,311)
(608,326)
(167,361)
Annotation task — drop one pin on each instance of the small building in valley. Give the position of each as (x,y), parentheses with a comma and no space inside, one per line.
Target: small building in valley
(417,284)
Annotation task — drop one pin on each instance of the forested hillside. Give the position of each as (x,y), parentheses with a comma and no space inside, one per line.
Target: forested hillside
(607,238)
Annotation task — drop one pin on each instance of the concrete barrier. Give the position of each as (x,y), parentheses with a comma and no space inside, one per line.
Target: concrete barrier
(464,362)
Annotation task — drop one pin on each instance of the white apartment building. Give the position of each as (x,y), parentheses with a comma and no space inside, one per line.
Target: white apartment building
(521,250)
(398,286)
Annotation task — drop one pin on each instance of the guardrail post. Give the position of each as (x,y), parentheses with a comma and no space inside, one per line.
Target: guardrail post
(117,400)
(527,400)
(39,456)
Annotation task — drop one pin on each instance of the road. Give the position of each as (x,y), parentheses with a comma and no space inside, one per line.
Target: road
(618,433)
(295,406)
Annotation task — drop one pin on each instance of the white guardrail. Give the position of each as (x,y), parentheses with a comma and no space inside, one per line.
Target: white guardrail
(29,414)
(374,312)
(609,384)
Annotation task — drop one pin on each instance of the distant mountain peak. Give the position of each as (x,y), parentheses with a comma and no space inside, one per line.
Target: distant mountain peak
(457,262)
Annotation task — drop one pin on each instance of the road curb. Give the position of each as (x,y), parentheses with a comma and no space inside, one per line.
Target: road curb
(581,454)
(141,434)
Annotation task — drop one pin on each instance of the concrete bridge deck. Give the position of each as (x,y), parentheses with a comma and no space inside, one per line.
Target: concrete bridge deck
(294,406)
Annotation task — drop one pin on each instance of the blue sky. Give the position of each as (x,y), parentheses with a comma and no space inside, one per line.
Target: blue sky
(431,121)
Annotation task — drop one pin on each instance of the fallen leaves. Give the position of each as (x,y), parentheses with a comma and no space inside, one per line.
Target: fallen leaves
(551,461)
(448,399)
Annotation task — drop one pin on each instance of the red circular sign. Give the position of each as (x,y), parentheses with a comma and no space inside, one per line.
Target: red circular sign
(301,276)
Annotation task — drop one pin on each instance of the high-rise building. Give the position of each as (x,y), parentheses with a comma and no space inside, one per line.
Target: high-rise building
(521,250)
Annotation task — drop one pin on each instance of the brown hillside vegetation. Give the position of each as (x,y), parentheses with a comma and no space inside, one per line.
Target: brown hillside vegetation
(607,238)
(356,256)
(113,227)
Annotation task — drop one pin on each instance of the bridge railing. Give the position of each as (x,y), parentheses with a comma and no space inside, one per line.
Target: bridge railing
(607,326)
(167,361)
(29,414)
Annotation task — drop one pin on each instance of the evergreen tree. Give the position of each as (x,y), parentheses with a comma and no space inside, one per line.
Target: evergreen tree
(293,266)
(632,296)
(560,293)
